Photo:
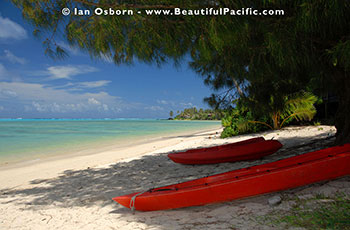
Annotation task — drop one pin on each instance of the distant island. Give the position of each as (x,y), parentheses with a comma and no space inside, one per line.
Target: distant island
(195,114)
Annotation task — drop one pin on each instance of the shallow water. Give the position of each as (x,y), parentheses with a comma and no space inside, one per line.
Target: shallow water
(34,138)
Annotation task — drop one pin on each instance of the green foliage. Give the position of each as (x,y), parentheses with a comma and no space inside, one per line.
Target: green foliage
(236,122)
(228,132)
(318,213)
(194,114)
(282,109)
(299,106)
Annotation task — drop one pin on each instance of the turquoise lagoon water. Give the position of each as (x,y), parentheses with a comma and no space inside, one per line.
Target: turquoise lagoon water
(30,139)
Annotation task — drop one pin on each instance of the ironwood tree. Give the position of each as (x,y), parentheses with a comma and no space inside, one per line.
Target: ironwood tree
(258,56)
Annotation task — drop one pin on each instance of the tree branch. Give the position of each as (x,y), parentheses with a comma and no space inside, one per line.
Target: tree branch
(260,122)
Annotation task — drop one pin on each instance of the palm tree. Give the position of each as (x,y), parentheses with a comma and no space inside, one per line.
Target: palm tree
(299,106)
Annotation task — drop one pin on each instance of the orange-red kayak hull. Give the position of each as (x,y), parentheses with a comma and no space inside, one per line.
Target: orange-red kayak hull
(284,174)
(240,151)
(226,146)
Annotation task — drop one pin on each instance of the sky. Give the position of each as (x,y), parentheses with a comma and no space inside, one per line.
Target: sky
(32,85)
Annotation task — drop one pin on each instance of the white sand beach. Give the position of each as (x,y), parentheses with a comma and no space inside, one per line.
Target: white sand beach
(75,192)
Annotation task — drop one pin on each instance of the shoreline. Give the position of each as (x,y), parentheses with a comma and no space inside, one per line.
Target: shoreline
(90,148)
(98,157)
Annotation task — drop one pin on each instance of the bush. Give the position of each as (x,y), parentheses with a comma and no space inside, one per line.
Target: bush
(228,132)
(236,122)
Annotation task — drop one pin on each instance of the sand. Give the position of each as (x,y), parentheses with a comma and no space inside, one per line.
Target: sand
(75,192)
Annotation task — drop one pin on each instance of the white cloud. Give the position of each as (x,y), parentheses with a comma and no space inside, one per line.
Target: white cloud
(66,72)
(57,107)
(13,58)
(79,86)
(189,104)
(7,93)
(11,30)
(154,108)
(93,84)
(39,107)
(105,107)
(3,72)
(93,101)
(7,75)
(163,102)
(37,97)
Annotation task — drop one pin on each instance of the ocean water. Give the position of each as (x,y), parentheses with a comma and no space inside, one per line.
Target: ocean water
(30,139)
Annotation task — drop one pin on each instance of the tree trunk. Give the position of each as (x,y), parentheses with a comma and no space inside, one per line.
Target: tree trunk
(239,90)
(276,122)
(342,121)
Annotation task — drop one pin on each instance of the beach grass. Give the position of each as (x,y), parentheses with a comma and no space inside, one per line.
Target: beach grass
(318,212)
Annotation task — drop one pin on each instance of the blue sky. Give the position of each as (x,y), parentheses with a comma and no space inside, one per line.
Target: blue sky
(34,86)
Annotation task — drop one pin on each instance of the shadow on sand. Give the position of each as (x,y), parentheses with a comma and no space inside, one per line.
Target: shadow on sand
(93,186)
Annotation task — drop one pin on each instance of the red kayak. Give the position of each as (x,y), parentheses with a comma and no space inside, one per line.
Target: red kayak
(226,146)
(284,174)
(240,151)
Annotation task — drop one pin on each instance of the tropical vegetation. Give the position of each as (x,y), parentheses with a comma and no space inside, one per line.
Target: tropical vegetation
(298,106)
(201,114)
